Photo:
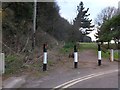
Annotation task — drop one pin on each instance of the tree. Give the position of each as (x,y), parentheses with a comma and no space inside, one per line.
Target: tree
(50,21)
(114,24)
(106,14)
(102,29)
(87,39)
(82,22)
(110,29)
(16,23)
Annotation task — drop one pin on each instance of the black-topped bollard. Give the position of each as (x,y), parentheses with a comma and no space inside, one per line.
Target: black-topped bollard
(99,55)
(45,57)
(75,57)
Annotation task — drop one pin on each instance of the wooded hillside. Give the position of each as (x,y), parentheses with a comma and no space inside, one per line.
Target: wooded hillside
(51,28)
(18,25)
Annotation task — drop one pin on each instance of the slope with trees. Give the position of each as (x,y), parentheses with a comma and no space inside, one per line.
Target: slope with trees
(17,27)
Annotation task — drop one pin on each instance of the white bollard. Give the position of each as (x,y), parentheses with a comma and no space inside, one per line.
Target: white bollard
(2,63)
(45,57)
(111,55)
(75,57)
(99,55)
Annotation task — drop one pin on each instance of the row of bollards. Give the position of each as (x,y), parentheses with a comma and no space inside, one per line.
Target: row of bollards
(2,58)
(45,57)
(75,56)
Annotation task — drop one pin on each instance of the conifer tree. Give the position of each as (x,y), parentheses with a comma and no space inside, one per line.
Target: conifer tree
(82,22)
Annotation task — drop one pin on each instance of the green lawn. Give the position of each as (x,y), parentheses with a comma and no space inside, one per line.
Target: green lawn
(69,47)
(86,46)
(93,46)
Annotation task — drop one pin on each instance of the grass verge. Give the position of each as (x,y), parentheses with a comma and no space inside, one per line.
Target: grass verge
(67,48)
(107,54)
(87,46)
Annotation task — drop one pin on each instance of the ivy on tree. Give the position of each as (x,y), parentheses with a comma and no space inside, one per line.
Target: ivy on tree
(82,21)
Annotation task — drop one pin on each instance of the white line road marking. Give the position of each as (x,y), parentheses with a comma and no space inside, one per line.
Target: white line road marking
(74,81)
(86,79)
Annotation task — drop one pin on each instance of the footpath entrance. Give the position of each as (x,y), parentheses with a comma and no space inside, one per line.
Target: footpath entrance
(65,71)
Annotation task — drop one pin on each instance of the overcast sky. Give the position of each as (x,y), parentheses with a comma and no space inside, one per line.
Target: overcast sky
(68,8)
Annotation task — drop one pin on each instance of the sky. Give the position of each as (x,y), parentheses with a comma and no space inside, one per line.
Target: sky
(68,8)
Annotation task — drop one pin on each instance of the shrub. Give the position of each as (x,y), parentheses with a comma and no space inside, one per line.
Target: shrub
(13,64)
(67,48)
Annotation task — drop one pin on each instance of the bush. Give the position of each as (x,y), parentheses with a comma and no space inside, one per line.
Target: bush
(68,45)
(13,64)
(67,48)
(113,46)
(116,55)
(105,54)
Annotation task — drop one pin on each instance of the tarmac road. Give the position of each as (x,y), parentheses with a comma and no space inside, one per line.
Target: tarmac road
(108,79)
(103,81)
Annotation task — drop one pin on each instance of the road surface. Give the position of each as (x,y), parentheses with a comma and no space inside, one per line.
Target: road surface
(103,81)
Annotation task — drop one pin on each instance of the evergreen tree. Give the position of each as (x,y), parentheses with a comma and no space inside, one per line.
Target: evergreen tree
(105,15)
(110,30)
(82,22)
